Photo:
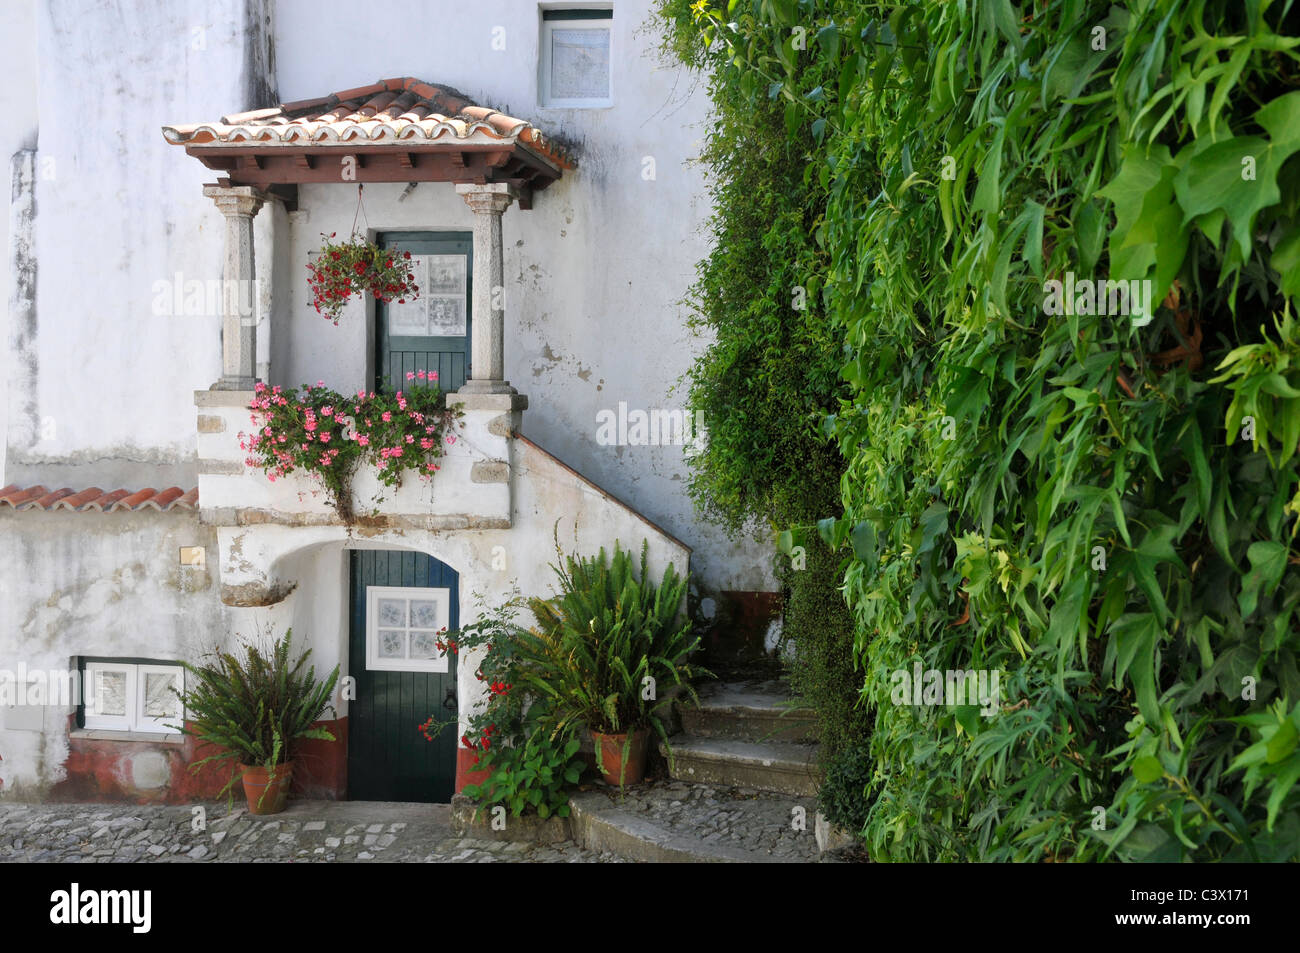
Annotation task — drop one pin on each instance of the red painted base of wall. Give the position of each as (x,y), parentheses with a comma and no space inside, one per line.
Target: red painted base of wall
(320,768)
(466,758)
(148,772)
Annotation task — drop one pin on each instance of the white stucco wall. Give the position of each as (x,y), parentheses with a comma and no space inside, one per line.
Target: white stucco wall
(594,270)
(17,132)
(117,211)
(106,584)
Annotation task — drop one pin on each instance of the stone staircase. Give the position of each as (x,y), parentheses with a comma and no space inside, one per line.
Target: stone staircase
(748,735)
(741,786)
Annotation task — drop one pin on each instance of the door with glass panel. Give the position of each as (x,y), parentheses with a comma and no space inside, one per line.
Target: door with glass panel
(400,603)
(432,332)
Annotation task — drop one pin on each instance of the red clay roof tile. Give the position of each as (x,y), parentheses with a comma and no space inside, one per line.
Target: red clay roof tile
(404,108)
(95,499)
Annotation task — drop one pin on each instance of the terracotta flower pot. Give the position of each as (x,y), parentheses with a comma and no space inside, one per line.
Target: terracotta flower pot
(467,772)
(267,791)
(610,753)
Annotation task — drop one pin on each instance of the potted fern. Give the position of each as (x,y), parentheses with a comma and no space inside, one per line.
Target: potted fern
(252,705)
(604,651)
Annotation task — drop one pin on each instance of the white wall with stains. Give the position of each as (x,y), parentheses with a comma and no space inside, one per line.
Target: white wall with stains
(595,270)
(106,584)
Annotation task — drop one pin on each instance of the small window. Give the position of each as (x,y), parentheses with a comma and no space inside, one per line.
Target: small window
(403,628)
(122,695)
(576,57)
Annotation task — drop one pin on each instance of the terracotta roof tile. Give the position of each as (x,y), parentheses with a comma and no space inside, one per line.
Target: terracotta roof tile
(96,500)
(402,109)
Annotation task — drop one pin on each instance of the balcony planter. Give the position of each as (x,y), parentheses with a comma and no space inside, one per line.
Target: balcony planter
(332,437)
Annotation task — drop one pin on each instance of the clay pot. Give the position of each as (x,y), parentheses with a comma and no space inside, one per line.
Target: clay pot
(467,772)
(267,791)
(610,753)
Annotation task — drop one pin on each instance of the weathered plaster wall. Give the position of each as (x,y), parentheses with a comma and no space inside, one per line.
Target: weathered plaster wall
(118,211)
(94,584)
(17,133)
(594,271)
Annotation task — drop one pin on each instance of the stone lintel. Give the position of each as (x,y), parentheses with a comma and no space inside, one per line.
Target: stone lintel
(224,397)
(367,525)
(502,402)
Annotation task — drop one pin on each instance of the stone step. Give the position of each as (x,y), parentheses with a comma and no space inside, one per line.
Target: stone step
(674,822)
(778,766)
(747,712)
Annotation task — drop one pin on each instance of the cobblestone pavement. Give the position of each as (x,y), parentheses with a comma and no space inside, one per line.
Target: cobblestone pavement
(308,831)
(758,821)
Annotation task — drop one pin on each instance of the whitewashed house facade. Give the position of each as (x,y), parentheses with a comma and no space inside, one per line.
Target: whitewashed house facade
(538,153)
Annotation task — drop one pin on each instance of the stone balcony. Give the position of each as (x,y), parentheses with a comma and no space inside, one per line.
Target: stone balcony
(474,488)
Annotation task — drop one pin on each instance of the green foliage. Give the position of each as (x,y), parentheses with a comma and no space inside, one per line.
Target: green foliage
(997,451)
(516,734)
(824,674)
(843,794)
(253,704)
(770,370)
(605,650)
(531,774)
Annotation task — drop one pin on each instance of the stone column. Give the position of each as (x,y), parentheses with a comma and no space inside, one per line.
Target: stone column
(488,344)
(238,331)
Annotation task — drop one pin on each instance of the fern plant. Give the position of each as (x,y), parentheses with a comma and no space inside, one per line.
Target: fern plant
(253,704)
(604,648)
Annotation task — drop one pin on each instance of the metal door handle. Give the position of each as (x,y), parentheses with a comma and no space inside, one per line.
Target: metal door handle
(449,702)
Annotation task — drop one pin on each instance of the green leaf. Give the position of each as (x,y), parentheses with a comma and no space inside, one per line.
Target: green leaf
(968,716)
(863,540)
(988,192)
(1267,562)
(1283,741)
(1148,769)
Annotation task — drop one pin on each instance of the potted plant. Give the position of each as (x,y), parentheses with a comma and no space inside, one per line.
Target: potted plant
(605,649)
(252,706)
(513,753)
(343,269)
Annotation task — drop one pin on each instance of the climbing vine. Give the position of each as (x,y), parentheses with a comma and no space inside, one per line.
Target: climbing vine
(1091,493)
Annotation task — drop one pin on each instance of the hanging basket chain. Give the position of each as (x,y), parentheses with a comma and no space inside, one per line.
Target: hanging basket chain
(345,269)
(360,212)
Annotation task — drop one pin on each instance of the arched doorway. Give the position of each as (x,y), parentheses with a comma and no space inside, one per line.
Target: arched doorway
(398,601)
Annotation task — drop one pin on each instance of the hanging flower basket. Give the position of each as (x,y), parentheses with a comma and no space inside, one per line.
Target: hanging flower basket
(357,266)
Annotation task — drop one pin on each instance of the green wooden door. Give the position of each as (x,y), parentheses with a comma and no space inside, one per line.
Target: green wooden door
(431,333)
(399,601)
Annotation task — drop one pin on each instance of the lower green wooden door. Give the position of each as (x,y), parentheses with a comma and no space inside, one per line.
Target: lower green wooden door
(399,601)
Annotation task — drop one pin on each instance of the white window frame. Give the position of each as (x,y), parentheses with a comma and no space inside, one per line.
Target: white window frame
(134,720)
(374,662)
(144,722)
(544,97)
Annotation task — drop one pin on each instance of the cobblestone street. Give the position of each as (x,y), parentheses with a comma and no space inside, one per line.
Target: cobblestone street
(308,831)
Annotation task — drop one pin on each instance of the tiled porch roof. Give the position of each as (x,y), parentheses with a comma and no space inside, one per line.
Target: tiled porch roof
(390,112)
(96,500)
